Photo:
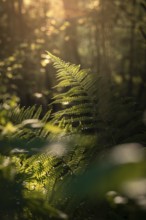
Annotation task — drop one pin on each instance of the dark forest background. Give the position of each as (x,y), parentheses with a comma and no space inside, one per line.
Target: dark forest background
(72,143)
(109,37)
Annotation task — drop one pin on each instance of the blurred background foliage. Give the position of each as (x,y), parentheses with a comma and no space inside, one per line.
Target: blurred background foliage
(107,36)
(52,161)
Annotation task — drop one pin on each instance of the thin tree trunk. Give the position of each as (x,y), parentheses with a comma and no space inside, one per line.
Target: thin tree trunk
(70,41)
(105,70)
(20,18)
(132,49)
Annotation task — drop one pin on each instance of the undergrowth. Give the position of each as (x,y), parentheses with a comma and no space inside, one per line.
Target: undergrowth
(59,166)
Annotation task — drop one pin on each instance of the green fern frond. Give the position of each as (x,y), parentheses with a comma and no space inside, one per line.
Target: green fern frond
(29,123)
(79,93)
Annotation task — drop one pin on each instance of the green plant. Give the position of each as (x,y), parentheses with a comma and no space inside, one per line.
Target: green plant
(57,157)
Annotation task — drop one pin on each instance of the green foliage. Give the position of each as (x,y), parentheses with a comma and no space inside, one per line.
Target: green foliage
(80,107)
(63,159)
(15,202)
(66,161)
(78,95)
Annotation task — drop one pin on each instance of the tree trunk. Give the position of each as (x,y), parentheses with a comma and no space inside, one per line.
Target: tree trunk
(132,49)
(70,40)
(104,70)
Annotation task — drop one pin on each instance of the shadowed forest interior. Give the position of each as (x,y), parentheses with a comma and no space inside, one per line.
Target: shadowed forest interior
(73,109)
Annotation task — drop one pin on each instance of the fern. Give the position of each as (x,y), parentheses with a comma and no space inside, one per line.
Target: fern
(52,162)
(81,111)
(79,94)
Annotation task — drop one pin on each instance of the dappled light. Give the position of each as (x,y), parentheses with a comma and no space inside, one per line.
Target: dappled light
(72,109)
(128,153)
